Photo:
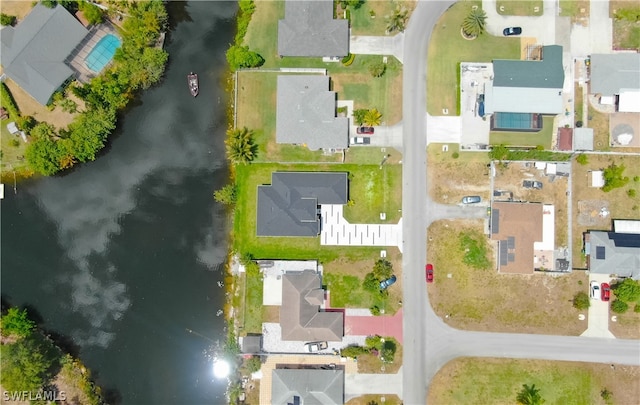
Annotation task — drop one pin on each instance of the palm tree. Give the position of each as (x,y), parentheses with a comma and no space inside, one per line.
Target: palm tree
(372,118)
(474,23)
(397,20)
(240,146)
(529,395)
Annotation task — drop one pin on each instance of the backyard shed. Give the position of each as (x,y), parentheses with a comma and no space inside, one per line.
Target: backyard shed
(597,178)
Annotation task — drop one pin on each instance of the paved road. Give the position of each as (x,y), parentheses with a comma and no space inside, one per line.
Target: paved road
(428,342)
(414,195)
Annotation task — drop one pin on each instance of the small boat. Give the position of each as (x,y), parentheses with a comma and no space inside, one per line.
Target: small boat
(192,80)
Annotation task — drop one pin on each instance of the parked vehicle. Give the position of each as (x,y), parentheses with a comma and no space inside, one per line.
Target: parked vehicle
(471,199)
(313,347)
(359,140)
(384,284)
(507,32)
(605,292)
(365,130)
(595,290)
(429,272)
(532,184)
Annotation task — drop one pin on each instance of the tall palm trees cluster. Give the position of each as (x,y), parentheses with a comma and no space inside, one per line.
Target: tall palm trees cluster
(397,20)
(240,145)
(370,118)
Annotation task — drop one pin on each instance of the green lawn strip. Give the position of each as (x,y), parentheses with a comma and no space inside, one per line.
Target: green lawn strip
(578,106)
(346,291)
(253,303)
(520,7)
(542,137)
(498,381)
(367,155)
(447,49)
(436,154)
(375,190)
(245,240)
(12,147)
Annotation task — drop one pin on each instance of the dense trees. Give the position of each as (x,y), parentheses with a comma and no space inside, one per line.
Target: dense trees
(92,13)
(137,65)
(474,23)
(17,323)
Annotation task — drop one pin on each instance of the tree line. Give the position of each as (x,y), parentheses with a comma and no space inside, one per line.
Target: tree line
(137,65)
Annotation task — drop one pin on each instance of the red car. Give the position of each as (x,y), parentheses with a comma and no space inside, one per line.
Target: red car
(429,270)
(365,130)
(605,291)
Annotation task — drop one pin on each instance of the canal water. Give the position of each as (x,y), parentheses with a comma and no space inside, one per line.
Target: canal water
(123,256)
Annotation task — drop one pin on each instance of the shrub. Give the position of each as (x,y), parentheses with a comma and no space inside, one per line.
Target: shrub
(26,123)
(6,19)
(16,322)
(353,351)
(241,57)
(619,307)
(628,290)
(374,342)
(15,143)
(377,69)
(581,300)
(375,310)
(8,102)
(348,60)
(636,309)
(636,179)
(582,159)
(370,283)
(253,364)
(455,155)
(226,195)
(631,192)
(382,269)
(93,13)
(613,177)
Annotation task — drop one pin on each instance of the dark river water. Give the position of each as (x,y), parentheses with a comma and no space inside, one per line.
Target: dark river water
(122,256)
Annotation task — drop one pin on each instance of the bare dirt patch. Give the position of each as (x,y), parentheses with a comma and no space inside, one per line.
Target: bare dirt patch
(627,325)
(450,179)
(487,301)
(19,9)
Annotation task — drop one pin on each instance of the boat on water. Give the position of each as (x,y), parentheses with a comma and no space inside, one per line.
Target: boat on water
(192,80)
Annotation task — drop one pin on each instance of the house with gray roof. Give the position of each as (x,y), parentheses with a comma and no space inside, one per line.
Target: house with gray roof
(527,86)
(33,53)
(306,113)
(616,78)
(301,317)
(307,387)
(309,29)
(613,253)
(290,205)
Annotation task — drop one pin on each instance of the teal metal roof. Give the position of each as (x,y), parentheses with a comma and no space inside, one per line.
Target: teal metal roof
(545,73)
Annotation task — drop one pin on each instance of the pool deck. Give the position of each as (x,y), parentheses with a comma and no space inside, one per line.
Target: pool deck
(76,59)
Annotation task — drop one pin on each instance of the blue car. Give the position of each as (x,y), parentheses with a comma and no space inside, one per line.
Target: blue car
(384,284)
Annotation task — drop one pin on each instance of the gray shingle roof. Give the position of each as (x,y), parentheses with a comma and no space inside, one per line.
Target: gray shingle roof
(611,73)
(619,253)
(312,387)
(288,207)
(309,29)
(33,52)
(306,114)
(300,318)
(525,86)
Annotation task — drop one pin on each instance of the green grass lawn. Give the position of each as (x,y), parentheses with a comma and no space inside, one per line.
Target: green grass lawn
(496,381)
(13,148)
(626,35)
(542,137)
(250,176)
(573,9)
(253,303)
(447,49)
(375,190)
(520,7)
(363,24)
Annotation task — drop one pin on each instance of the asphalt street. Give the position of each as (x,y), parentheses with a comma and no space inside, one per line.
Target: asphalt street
(428,342)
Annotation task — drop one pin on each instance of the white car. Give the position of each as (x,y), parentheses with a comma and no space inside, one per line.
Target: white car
(359,140)
(314,347)
(595,290)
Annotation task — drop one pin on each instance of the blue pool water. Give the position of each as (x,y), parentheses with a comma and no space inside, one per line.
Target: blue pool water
(102,53)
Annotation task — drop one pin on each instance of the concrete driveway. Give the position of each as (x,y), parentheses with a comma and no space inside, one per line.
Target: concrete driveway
(378,45)
(356,385)
(598,311)
(338,231)
(543,27)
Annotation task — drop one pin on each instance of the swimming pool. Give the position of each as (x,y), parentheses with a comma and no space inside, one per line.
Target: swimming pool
(102,53)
